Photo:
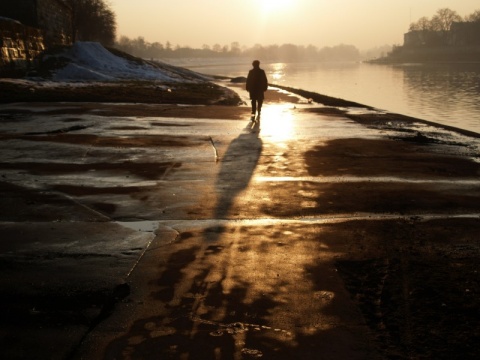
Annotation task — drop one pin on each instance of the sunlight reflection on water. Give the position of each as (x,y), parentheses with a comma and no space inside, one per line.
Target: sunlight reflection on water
(278,72)
(443,93)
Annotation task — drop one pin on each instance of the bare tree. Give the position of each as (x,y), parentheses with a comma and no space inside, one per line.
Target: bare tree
(421,24)
(474,17)
(444,18)
(93,20)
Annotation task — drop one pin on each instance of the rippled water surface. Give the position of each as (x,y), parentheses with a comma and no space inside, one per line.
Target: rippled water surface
(443,93)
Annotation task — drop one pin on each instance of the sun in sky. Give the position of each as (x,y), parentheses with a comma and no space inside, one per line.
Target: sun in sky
(270,7)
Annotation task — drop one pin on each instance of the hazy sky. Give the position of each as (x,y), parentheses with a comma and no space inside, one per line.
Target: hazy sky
(363,23)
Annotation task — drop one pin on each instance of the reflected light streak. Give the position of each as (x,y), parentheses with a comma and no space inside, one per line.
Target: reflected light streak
(277,122)
(278,71)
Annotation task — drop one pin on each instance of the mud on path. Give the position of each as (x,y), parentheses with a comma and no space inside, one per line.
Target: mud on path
(416,281)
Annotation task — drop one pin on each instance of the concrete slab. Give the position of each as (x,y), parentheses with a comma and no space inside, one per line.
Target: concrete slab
(59,279)
(233,289)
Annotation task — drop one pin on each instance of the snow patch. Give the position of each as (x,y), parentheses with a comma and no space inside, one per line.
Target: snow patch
(78,72)
(90,61)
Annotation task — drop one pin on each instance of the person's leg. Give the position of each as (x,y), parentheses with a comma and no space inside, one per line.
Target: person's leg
(254,106)
(260,103)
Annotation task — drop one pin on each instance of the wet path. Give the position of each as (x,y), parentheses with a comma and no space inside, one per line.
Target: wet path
(232,236)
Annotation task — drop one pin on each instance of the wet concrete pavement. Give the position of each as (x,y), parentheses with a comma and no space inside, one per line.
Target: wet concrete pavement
(141,237)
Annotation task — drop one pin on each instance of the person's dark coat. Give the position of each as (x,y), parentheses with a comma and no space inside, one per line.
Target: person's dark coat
(257,83)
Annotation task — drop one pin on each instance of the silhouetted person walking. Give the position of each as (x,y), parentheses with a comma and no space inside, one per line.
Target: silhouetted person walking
(257,84)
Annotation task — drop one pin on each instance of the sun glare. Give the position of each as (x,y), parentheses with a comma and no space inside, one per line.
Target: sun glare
(277,123)
(272,6)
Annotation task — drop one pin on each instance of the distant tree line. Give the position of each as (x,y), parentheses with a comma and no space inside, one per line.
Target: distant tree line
(94,20)
(286,52)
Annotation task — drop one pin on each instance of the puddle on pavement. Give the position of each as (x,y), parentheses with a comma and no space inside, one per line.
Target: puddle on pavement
(142,226)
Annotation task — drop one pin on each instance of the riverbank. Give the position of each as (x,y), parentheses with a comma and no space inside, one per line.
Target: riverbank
(206,93)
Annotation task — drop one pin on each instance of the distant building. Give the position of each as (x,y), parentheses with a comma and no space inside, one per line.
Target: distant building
(460,34)
(419,38)
(465,34)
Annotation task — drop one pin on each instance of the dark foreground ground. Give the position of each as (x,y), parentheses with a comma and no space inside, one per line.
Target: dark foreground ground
(407,253)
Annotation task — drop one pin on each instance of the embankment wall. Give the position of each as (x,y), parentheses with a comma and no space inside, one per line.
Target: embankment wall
(20,46)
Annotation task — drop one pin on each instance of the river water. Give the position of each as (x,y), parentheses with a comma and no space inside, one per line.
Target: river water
(444,93)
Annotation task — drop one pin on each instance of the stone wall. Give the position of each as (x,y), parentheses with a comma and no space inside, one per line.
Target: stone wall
(20,46)
(28,27)
(56,18)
